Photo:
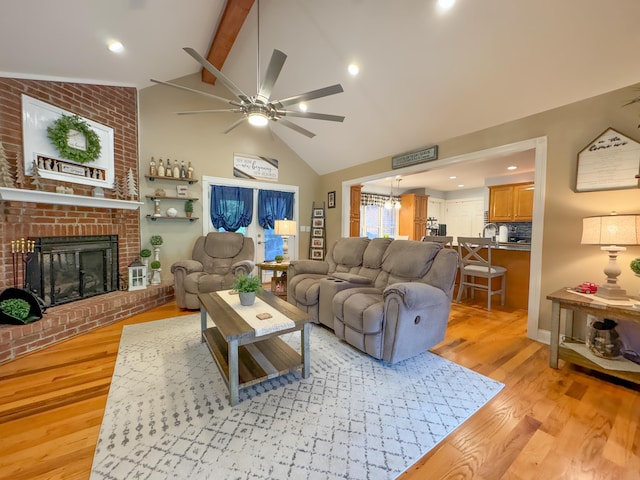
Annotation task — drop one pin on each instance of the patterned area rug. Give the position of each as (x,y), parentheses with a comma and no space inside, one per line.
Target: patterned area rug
(168,416)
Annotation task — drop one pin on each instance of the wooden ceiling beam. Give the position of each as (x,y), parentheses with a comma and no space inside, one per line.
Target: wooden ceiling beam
(234,14)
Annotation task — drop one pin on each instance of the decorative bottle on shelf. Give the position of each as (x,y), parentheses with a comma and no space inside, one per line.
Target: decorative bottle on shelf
(189,171)
(161,169)
(176,169)
(168,172)
(152,168)
(183,170)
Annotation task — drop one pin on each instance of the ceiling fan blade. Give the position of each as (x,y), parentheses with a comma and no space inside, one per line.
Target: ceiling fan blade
(315,116)
(222,110)
(295,127)
(181,87)
(273,71)
(235,124)
(313,94)
(218,74)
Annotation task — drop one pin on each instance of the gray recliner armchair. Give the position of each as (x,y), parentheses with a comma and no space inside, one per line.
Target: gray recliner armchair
(217,259)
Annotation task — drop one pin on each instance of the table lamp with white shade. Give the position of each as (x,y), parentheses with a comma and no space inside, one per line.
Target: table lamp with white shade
(285,228)
(611,232)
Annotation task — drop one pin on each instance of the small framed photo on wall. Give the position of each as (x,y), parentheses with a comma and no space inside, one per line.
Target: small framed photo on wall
(317,254)
(317,212)
(318,223)
(331,200)
(317,243)
(317,232)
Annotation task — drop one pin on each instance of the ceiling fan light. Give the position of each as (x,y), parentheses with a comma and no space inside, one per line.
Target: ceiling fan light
(258,119)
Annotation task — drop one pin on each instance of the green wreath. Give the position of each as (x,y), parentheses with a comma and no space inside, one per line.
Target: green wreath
(58,133)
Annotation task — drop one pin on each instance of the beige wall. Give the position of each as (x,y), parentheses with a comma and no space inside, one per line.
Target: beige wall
(568,129)
(199,139)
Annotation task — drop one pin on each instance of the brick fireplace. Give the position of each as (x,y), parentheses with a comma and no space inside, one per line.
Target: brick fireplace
(115,107)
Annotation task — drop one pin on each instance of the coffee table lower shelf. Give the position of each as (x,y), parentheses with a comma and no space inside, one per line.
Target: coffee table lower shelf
(257,362)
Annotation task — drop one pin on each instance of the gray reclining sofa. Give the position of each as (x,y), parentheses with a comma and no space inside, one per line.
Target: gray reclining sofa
(389,298)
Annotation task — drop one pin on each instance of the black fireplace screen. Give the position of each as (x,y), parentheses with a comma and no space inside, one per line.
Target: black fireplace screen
(64,269)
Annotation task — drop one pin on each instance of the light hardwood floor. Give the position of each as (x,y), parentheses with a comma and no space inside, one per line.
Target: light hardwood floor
(545,424)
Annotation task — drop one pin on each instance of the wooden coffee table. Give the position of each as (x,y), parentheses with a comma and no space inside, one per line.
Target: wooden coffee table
(243,358)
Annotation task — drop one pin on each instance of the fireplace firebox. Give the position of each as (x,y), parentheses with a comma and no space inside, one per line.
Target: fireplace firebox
(65,269)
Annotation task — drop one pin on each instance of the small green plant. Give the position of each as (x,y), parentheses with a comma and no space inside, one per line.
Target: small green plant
(635,266)
(279,258)
(145,253)
(16,308)
(247,283)
(155,265)
(188,206)
(156,240)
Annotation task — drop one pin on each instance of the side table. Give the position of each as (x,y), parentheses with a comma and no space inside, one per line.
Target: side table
(278,282)
(571,302)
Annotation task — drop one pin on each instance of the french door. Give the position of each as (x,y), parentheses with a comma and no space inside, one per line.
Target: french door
(267,243)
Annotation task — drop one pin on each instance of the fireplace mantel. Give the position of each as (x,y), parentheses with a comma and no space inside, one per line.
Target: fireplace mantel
(36,196)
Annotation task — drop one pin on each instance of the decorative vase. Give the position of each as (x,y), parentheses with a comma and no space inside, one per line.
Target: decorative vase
(603,340)
(247,298)
(156,253)
(156,279)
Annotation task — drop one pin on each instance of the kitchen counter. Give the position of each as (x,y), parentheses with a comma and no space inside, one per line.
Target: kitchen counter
(515,257)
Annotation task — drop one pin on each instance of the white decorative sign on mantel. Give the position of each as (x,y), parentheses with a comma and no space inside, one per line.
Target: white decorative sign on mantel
(38,148)
(257,168)
(610,162)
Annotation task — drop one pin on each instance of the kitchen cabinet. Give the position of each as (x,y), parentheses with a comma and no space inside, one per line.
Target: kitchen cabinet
(413,215)
(354,213)
(511,203)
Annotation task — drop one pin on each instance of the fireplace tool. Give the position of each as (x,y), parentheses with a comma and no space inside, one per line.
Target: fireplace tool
(24,250)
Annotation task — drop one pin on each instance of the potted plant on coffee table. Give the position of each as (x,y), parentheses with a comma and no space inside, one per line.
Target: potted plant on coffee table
(247,286)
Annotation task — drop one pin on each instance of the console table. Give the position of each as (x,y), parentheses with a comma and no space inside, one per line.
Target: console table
(278,283)
(570,302)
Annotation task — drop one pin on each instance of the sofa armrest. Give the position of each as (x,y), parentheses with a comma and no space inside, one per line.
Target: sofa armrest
(187,267)
(243,266)
(416,318)
(415,295)
(297,267)
(352,278)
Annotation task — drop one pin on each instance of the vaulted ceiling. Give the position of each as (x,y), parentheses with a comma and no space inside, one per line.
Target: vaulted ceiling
(425,75)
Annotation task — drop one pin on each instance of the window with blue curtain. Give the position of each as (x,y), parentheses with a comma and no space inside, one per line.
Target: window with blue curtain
(231,207)
(272,206)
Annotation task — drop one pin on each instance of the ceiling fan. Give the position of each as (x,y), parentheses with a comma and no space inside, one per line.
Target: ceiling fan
(259,109)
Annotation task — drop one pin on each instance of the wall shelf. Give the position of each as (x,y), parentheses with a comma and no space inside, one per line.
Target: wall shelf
(165,217)
(165,197)
(37,196)
(190,181)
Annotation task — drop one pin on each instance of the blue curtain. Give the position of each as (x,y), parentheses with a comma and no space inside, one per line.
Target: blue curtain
(231,207)
(274,205)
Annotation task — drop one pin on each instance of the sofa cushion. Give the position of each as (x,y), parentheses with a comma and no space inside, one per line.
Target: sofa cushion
(374,253)
(409,259)
(226,245)
(305,288)
(364,312)
(348,251)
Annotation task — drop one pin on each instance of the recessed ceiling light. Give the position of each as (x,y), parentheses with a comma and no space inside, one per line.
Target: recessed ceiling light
(511,167)
(446,4)
(353,69)
(115,46)
(303,107)
(452,177)
(460,185)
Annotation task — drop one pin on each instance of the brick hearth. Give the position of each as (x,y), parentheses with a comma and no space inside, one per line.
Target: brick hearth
(66,321)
